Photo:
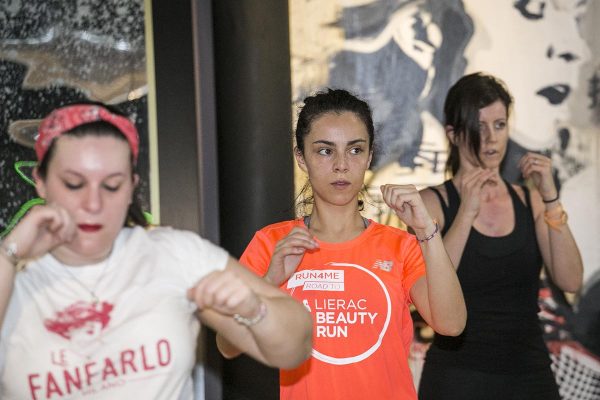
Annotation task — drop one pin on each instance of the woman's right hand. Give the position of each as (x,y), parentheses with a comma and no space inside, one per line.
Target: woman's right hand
(471,187)
(42,229)
(288,253)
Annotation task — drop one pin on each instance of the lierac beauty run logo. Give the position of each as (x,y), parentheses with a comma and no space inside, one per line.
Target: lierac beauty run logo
(351,310)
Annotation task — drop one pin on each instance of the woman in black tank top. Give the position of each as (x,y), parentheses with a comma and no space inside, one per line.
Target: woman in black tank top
(498,236)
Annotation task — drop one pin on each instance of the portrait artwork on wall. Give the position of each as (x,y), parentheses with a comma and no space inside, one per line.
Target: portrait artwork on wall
(402,56)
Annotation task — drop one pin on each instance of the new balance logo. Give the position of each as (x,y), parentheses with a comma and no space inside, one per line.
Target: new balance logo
(383,265)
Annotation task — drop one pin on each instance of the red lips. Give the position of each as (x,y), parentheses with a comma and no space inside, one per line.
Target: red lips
(89,227)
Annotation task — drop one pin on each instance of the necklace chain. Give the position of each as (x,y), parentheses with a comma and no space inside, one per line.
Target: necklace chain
(92,291)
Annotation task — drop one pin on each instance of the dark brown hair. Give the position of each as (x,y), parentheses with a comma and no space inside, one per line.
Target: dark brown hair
(465,98)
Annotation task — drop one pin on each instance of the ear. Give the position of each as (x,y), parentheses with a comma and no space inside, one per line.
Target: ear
(300,159)
(40,185)
(136,181)
(450,134)
(370,159)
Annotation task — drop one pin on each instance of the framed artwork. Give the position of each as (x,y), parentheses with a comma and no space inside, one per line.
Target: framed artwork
(55,53)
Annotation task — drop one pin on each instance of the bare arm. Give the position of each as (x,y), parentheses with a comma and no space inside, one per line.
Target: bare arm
(283,262)
(7,279)
(457,234)
(438,295)
(282,338)
(559,250)
(41,229)
(557,244)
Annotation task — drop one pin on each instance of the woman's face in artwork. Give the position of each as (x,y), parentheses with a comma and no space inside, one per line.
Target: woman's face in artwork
(387,57)
(536,48)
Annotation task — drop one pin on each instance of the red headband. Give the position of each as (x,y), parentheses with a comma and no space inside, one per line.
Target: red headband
(66,118)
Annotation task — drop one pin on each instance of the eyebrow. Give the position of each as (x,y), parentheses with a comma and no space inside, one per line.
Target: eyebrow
(328,143)
(496,119)
(114,174)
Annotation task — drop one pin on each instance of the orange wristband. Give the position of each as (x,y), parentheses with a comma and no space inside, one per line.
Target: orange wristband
(556,218)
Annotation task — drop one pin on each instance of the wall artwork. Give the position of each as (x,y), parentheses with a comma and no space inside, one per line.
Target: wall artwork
(54,53)
(403,55)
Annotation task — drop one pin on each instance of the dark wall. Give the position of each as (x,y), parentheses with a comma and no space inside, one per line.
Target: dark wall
(253,91)
(246,143)
(254,116)
(176,115)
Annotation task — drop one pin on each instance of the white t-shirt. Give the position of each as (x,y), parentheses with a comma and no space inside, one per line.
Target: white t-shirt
(137,342)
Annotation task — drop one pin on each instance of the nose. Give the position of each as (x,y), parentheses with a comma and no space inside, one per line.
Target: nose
(488,133)
(574,53)
(92,201)
(341,163)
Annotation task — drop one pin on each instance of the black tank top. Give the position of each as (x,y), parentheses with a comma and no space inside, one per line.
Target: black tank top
(499,277)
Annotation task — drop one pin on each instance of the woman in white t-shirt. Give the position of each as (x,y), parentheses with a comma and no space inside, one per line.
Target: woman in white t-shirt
(95,304)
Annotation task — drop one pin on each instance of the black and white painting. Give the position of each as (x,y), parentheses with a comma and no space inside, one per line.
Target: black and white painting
(402,56)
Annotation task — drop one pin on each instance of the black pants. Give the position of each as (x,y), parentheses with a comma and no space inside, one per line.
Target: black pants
(449,383)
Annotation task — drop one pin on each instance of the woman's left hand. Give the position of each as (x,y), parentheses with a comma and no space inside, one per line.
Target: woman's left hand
(406,202)
(226,293)
(538,168)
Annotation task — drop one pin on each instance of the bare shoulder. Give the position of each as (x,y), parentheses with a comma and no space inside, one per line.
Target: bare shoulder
(432,201)
(430,197)
(534,195)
